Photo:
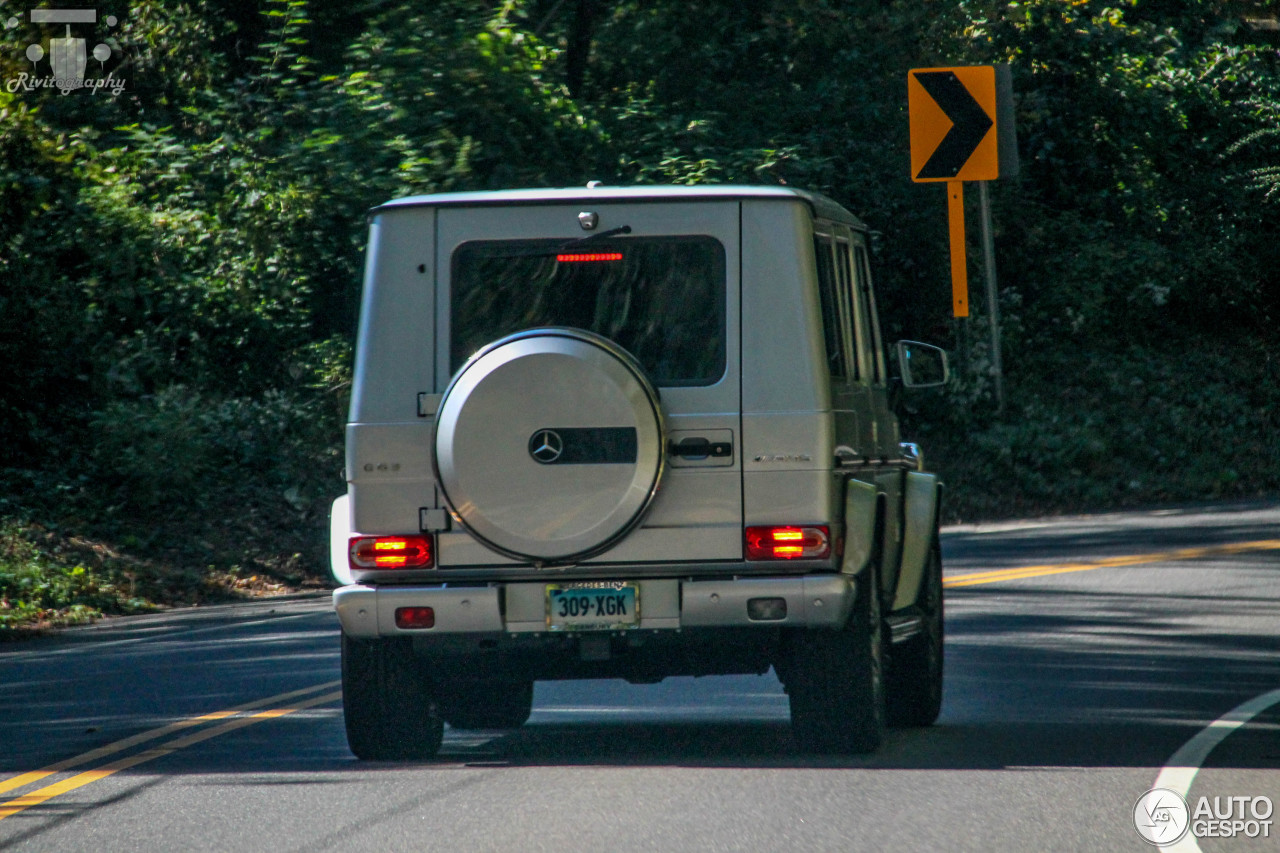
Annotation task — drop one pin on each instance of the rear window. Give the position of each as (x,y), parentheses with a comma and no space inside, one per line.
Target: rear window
(662,298)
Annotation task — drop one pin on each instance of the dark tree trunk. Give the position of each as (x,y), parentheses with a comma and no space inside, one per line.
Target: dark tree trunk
(579,54)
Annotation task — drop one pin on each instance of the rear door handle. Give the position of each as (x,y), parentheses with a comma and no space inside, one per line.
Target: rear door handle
(700,448)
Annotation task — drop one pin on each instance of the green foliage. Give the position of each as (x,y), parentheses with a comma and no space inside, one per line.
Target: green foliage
(180,265)
(180,452)
(451,99)
(1125,124)
(37,586)
(1072,443)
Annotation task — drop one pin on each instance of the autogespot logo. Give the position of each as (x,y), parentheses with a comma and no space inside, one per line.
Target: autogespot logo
(1162,817)
(64,65)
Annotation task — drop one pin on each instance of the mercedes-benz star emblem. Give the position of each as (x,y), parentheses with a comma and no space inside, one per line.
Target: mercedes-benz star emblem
(546,445)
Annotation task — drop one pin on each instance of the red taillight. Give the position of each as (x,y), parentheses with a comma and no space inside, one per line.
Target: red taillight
(788,543)
(589,257)
(391,552)
(415,618)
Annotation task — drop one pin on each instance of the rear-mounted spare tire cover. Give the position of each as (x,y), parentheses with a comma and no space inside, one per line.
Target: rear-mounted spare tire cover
(549,445)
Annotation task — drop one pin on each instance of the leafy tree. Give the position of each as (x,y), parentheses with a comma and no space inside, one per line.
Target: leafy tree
(180,265)
(1123,126)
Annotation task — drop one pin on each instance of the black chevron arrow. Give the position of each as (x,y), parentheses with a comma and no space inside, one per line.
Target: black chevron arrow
(969,120)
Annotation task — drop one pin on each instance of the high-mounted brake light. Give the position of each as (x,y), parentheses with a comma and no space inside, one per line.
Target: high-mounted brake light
(589,257)
(788,542)
(391,552)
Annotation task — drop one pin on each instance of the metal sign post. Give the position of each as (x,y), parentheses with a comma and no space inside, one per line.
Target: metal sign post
(993,299)
(962,130)
(959,256)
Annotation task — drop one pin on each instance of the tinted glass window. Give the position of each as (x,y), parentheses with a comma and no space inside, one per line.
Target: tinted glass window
(869,308)
(830,307)
(845,289)
(662,298)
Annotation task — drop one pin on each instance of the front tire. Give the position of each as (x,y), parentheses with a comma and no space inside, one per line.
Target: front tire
(387,701)
(835,680)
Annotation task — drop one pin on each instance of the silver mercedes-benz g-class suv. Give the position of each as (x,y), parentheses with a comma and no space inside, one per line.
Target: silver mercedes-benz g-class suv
(630,432)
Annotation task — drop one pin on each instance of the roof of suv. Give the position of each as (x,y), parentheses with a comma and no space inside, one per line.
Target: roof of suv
(822,206)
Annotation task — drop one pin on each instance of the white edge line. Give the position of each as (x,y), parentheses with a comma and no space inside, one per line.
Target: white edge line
(1181,768)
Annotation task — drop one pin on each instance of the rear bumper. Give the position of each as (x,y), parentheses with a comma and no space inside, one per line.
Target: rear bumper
(813,601)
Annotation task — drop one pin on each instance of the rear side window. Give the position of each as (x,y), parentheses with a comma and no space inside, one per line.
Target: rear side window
(662,298)
(868,301)
(829,302)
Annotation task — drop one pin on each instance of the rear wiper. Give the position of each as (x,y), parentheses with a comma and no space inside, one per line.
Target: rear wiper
(612,232)
(530,252)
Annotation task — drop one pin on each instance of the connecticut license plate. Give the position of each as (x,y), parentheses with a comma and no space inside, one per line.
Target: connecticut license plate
(599,606)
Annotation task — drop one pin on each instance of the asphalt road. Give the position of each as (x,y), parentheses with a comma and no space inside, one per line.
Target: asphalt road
(1083,654)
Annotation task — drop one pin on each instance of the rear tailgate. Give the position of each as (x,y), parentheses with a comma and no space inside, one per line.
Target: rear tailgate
(697,513)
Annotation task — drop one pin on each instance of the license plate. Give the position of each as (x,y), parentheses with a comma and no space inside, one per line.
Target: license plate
(606,606)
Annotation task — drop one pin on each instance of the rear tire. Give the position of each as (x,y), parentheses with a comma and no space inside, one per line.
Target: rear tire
(387,701)
(914,679)
(486,704)
(835,680)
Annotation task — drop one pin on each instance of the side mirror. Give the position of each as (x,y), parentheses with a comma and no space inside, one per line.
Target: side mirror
(922,365)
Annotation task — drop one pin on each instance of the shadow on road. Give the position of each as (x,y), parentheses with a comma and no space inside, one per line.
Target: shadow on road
(1037,677)
(945,746)
(1072,677)
(1082,538)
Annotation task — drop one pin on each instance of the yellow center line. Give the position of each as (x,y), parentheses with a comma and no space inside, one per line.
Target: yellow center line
(48,792)
(25,779)
(1023,572)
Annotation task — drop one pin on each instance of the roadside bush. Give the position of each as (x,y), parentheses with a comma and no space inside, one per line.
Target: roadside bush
(36,586)
(181,452)
(1187,420)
